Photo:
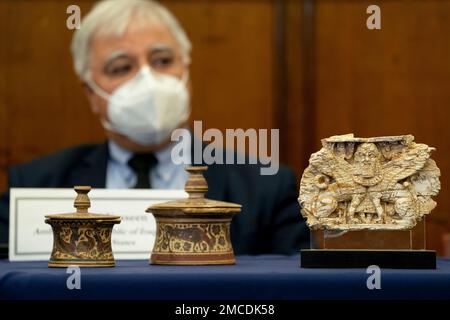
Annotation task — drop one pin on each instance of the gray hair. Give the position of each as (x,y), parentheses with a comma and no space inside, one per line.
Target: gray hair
(113,17)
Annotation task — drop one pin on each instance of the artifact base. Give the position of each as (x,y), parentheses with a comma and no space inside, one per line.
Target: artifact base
(357,258)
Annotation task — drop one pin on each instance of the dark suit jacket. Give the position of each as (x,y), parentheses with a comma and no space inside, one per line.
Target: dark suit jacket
(270,220)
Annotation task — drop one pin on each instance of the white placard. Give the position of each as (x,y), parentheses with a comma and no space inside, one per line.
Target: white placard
(30,238)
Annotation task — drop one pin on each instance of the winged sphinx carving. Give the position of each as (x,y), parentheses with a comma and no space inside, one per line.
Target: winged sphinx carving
(369,183)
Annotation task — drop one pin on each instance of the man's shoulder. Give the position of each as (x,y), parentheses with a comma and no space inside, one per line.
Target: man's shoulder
(253,171)
(251,176)
(58,157)
(51,166)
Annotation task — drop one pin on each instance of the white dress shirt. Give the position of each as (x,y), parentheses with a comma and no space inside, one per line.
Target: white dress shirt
(165,175)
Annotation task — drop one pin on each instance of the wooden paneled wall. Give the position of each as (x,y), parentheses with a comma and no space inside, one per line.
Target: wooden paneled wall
(310,68)
(42,103)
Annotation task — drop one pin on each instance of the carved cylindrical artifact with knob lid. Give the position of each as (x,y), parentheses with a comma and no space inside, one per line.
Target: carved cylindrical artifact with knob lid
(196,230)
(82,238)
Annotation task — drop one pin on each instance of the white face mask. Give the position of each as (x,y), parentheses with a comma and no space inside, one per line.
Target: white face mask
(148,107)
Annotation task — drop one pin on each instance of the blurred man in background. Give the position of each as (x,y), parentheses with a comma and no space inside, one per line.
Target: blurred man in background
(132,57)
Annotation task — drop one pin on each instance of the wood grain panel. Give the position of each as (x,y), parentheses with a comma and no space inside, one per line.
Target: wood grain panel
(46,107)
(4,157)
(232,67)
(300,136)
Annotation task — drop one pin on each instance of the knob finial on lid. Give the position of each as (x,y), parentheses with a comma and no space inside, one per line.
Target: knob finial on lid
(196,185)
(82,201)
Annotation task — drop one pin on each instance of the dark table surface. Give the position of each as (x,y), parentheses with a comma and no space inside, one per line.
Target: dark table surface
(257,277)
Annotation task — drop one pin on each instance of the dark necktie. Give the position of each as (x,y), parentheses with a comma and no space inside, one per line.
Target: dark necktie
(141,164)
